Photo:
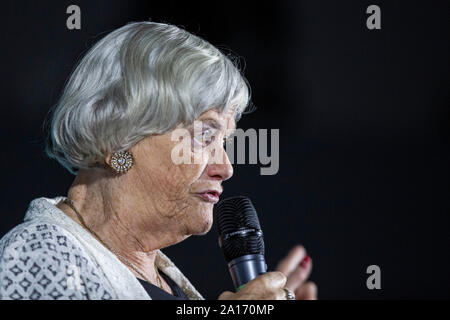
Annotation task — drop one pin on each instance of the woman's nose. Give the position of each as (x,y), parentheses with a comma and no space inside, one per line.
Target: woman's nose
(223,170)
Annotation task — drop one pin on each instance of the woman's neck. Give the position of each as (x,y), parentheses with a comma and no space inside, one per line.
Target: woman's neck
(121,221)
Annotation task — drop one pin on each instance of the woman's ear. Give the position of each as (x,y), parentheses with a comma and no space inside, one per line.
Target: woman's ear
(108,159)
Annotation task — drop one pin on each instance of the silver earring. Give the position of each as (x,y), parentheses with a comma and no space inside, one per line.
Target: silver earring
(121,161)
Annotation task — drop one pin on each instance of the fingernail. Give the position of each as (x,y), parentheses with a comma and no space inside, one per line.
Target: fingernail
(305,261)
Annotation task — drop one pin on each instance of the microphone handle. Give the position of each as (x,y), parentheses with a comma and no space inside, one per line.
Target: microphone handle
(246,268)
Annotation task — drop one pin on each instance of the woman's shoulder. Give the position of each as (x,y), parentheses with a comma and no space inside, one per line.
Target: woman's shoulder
(43,260)
(39,237)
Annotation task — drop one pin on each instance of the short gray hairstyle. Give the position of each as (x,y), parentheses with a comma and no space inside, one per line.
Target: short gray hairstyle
(142,79)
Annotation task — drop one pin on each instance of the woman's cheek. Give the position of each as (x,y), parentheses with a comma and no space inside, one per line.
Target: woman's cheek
(200,155)
(190,173)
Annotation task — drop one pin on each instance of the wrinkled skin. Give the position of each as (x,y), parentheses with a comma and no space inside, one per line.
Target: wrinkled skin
(156,203)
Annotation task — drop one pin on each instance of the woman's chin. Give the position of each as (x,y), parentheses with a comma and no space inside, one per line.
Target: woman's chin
(203,223)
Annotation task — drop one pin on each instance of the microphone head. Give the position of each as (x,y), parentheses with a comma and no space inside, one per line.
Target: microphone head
(240,233)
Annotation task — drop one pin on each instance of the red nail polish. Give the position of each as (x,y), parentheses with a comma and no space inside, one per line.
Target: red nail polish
(305,261)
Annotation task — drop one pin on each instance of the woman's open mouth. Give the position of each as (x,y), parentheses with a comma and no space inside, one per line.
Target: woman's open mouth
(209,196)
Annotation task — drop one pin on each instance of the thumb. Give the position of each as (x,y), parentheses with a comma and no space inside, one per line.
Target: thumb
(226,295)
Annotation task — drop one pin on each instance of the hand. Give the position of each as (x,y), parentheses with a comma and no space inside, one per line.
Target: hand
(268,286)
(296,266)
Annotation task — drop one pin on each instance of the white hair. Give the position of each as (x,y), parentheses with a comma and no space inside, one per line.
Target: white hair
(144,78)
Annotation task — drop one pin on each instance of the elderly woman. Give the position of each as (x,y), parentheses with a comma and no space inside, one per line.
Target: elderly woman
(112,127)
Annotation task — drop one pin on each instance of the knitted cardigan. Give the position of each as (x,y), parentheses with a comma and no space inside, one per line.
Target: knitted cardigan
(50,256)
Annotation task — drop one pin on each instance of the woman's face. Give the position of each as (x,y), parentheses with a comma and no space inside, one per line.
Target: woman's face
(182,195)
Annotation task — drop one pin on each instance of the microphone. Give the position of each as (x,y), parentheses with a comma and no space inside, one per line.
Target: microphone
(241,239)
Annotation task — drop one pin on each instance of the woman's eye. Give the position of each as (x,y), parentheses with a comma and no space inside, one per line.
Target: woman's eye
(205,138)
(208,137)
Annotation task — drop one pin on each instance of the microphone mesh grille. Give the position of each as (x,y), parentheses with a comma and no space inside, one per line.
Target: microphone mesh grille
(234,215)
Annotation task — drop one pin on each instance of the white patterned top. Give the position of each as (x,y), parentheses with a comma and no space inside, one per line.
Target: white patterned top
(50,256)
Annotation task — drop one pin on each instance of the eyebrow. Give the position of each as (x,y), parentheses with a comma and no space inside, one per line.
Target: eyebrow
(218,126)
(213,123)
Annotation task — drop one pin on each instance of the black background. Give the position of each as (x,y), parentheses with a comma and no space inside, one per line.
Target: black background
(363,118)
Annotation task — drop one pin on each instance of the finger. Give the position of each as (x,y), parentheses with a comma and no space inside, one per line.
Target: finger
(226,295)
(267,282)
(300,274)
(276,279)
(298,277)
(281,295)
(290,262)
(308,291)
